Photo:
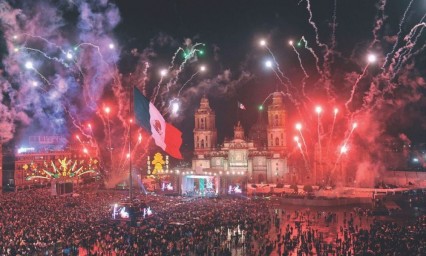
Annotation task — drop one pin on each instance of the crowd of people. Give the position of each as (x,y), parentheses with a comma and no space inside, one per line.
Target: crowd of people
(35,223)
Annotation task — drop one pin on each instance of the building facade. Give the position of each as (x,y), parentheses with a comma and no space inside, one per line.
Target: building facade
(259,158)
(47,159)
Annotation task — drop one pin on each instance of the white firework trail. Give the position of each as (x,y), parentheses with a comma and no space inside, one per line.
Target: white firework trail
(354,87)
(278,65)
(341,151)
(401,23)
(173,80)
(303,69)
(305,43)
(287,93)
(42,76)
(172,62)
(379,20)
(263,103)
(61,61)
(404,53)
(196,73)
(77,124)
(334,25)
(303,140)
(157,89)
(281,81)
(145,77)
(115,74)
(314,26)
(98,49)
(43,39)
(182,65)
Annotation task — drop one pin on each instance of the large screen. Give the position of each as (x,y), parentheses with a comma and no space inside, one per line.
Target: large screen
(120,212)
(235,189)
(123,211)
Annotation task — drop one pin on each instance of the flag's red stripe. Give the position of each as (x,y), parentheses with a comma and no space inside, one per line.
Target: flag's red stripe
(173,140)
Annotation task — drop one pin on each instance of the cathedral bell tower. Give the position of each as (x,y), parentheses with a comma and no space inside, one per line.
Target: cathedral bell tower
(276,124)
(205,134)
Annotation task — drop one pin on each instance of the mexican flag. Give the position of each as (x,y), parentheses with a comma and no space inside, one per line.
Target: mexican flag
(165,135)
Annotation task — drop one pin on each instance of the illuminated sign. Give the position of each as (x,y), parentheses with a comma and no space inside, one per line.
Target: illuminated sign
(66,168)
(158,164)
(46,140)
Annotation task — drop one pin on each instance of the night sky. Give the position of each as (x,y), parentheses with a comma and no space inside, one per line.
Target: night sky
(231,31)
(115,44)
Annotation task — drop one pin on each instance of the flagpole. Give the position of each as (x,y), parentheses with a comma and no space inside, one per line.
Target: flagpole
(132,114)
(238,111)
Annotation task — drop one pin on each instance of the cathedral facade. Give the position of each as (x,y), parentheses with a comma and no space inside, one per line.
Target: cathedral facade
(260,157)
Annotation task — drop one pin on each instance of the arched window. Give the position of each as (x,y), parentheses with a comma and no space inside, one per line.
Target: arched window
(277,141)
(202,143)
(276,120)
(202,123)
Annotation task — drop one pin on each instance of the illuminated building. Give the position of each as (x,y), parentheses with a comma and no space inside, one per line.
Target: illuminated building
(47,158)
(241,159)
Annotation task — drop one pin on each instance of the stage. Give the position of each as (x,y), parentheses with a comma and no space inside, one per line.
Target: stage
(200,185)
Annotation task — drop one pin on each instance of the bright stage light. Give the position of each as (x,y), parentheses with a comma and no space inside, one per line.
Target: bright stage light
(298,126)
(111,46)
(290,42)
(34,83)
(343,149)
(69,55)
(296,138)
(262,42)
(25,150)
(354,125)
(203,68)
(198,176)
(336,111)
(268,64)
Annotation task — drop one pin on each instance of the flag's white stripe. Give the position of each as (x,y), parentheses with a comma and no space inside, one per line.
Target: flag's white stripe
(157,122)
